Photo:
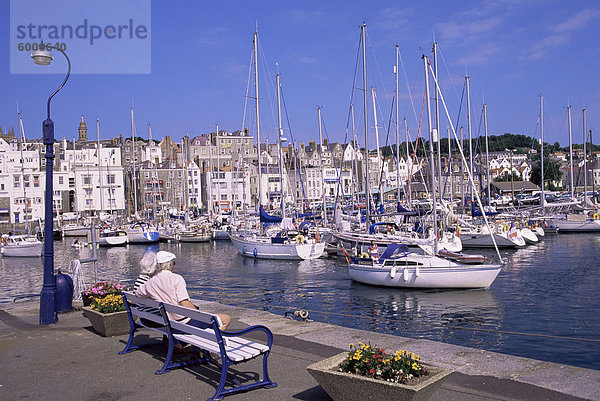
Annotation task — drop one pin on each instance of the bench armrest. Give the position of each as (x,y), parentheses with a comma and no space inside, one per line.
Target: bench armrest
(251,329)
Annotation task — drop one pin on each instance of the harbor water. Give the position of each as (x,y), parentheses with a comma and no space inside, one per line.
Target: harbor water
(543,305)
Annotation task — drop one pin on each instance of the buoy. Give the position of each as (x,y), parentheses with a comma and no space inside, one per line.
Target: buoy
(299,239)
(596,216)
(393,272)
(405,274)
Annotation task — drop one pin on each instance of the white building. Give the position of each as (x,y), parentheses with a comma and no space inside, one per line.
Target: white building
(22,185)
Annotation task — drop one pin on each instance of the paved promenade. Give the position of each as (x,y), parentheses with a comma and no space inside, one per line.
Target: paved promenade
(68,361)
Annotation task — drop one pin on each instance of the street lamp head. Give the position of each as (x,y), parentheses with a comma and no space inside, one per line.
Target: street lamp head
(41,57)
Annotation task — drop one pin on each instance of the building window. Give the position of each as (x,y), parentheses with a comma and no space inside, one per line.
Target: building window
(86,179)
(110,179)
(36,181)
(61,180)
(168,184)
(17,182)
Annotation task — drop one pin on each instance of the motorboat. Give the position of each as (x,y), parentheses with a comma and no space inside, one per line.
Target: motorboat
(194,234)
(277,247)
(22,246)
(74,230)
(399,267)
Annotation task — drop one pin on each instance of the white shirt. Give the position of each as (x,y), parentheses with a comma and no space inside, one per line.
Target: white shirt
(165,286)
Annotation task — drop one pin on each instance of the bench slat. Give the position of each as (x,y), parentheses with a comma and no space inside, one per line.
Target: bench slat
(195,314)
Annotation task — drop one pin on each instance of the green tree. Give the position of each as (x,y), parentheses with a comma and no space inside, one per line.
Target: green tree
(551,171)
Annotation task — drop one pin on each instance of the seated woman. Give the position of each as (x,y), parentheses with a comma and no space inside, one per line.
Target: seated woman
(147,269)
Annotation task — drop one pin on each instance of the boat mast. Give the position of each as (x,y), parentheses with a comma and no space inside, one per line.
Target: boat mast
(100,166)
(543,198)
(218,171)
(22,140)
(321,165)
(409,164)
(571,155)
(133,158)
(210,205)
(397,129)
(366,118)
(255,43)
(436,133)
(584,162)
(279,145)
(376,138)
(487,153)
(153,174)
(467,79)
(431,158)
(451,170)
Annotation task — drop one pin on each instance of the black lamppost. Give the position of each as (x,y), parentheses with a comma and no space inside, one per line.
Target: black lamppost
(47,310)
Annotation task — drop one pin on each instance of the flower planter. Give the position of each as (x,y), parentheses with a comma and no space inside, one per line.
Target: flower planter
(347,386)
(108,324)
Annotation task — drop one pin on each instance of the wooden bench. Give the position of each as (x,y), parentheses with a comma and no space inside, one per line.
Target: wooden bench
(231,347)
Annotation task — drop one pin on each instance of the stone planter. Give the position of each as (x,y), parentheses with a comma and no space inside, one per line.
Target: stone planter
(108,324)
(347,386)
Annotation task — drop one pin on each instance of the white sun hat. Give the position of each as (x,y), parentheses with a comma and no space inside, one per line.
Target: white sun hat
(164,257)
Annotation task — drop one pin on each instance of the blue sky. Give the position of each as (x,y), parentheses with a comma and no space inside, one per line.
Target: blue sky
(512,50)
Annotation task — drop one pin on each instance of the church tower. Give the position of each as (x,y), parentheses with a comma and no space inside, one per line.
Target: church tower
(82,131)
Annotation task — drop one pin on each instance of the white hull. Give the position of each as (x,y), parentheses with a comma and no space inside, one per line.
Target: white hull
(23,249)
(193,238)
(480,240)
(529,236)
(75,231)
(220,234)
(113,241)
(426,277)
(142,237)
(262,248)
(576,226)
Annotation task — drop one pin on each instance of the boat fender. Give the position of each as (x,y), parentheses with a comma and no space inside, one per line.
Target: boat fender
(244,250)
(299,239)
(393,272)
(405,274)
(596,216)
(255,252)
(417,272)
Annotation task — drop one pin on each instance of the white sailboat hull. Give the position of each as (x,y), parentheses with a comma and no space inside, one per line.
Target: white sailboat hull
(220,234)
(75,231)
(262,248)
(24,249)
(113,241)
(193,238)
(142,237)
(576,226)
(426,277)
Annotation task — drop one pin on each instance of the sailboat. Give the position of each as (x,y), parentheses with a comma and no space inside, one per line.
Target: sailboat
(399,267)
(23,245)
(281,245)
